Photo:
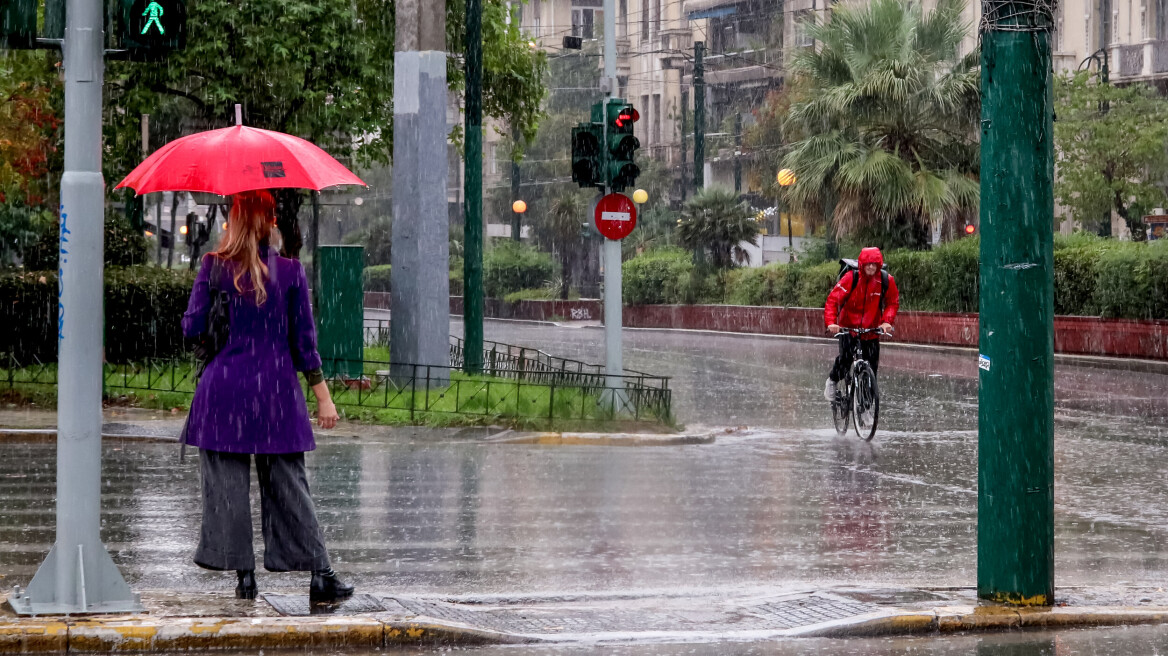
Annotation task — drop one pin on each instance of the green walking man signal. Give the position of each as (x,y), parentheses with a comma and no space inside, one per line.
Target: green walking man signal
(600,162)
(153,12)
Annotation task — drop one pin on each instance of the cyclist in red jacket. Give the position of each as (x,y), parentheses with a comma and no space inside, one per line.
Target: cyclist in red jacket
(860,300)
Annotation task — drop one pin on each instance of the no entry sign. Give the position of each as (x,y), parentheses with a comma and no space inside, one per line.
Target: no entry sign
(616,216)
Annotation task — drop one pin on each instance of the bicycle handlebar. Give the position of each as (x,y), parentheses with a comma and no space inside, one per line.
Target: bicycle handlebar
(862,331)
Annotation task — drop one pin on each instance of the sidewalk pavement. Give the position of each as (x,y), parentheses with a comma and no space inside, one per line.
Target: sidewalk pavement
(176,621)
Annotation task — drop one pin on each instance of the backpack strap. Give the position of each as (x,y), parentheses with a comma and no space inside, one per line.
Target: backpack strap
(883,290)
(855,281)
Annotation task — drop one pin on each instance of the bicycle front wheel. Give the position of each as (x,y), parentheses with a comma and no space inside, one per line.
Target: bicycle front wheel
(865,401)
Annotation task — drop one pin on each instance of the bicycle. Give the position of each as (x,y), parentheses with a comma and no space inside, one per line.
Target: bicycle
(857,396)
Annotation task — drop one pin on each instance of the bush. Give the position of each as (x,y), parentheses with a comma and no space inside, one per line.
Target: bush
(916,276)
(124,247)
(511,266)
(658,277)
(143,314)
(1132,281)
(456,285)
(1076,272)
(377,278)
(774,284)
(815,283)
(956,270)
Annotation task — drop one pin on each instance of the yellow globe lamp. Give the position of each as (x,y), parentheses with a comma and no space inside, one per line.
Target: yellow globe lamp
(519,207)
(640,196)
(786,178)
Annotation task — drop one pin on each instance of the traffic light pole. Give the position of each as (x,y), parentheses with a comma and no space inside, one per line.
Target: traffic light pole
(1015,540)
(613,304)
(78,575)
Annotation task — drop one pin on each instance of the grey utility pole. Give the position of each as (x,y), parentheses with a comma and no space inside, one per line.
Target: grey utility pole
(613,309)
(78,575)
(419,281)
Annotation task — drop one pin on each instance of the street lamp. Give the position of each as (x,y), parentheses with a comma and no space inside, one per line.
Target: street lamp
(640,196)
(519,207)
(786,178)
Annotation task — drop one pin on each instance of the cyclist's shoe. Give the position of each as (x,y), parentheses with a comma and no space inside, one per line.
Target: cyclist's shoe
(829,390)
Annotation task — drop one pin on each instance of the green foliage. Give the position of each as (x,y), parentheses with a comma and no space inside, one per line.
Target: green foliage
(955,286)
(774,284)
(1112,149)
(815,283)
(540,294)
(143,314)
(376,238)
(456,281)
(377,278)
(1076,271)
(21,226)
(884,124)
(658,277)
(717,222)
(511,266)
(320,69)
(916,279)
(124,247)
(1133,281)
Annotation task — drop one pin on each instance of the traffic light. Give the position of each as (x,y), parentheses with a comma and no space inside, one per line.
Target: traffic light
(970,228)
(586,160)
(621,171)
(152,28)
(18,24)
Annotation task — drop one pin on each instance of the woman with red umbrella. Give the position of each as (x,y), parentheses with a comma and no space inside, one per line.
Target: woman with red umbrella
(249,403)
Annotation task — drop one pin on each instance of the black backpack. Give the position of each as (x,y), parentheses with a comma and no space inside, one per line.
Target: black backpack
(853,266)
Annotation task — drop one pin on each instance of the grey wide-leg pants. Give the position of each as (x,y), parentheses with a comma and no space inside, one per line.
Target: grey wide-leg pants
(293,541)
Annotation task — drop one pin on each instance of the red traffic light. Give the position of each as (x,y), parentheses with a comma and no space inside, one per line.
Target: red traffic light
(970,229)
(627,115)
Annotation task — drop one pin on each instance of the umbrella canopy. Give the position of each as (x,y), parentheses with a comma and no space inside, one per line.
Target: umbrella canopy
(235,159)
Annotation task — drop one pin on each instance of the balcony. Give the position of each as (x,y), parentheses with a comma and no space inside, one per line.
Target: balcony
(1142,61)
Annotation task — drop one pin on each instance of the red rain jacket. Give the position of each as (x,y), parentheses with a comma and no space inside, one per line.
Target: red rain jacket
(862,307)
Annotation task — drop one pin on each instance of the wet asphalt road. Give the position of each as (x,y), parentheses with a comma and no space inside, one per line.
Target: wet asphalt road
(783,503)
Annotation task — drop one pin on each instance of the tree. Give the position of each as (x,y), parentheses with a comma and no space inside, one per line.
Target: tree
(31,104)
(563,231)
(320,69)
(715,221)
(884,121)
(1112,148)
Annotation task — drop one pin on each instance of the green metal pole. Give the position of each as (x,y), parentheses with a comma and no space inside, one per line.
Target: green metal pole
(1016,400)
(472,261)
(699,82)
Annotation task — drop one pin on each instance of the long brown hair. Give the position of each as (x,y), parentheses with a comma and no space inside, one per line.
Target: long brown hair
(252,215)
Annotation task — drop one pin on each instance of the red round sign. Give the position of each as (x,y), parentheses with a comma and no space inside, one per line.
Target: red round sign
(616,216)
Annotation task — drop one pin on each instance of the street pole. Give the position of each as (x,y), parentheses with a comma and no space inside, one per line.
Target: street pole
(1015,538)
(613,304)
(685,177)
(315,248)
(699,82)
(472,260)
(738,152)
(78,575)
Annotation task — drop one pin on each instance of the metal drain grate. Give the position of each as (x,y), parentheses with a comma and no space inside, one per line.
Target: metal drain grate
(299,606)
(806,611)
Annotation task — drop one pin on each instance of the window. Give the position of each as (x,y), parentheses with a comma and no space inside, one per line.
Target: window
(493,156)
(535,15)
(656,17)
(586,15)
(645,111)
(802,36)
(1057,37)
(622,85)
(645,20)
(623,19)
(656,119)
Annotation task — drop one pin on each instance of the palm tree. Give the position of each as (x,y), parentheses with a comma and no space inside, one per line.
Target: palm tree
(563,232)
(715,221)
(886,120)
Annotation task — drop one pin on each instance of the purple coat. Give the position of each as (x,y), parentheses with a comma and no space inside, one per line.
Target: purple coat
(249,399)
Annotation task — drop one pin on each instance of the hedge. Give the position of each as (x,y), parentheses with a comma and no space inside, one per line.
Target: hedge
(143,314)
(511,266)
(377,278)
(1092,277)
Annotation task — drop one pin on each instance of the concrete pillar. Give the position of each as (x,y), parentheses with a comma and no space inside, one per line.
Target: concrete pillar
(420,328)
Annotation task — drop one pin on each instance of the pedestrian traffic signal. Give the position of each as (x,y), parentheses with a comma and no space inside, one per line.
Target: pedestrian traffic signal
(621,170)
(18,24)
(152,28)
(586,160)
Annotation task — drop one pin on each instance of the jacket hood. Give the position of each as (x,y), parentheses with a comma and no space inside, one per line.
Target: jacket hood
(871,255)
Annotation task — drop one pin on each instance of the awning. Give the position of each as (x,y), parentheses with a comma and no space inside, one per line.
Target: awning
(698,9)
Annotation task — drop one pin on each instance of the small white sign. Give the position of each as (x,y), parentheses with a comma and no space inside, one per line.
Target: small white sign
(983,362)
(616,216)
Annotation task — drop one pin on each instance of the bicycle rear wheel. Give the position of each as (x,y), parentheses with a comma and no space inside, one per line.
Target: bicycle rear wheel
(865,401)
(841,409)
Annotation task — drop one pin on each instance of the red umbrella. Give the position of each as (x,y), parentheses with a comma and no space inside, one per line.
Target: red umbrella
(235,159)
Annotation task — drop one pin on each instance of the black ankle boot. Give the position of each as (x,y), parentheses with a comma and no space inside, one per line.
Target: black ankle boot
(327,588)
(247,588)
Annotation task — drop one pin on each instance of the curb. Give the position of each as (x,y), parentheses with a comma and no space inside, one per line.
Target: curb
(606,439)
(951,619)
